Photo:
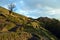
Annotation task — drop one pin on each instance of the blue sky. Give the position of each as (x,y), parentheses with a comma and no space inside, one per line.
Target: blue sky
(35,8)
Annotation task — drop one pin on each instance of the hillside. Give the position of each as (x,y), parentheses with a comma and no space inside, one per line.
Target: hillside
(51,24)
(18,27)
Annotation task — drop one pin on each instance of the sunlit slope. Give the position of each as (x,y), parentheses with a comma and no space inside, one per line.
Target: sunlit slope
(18,27)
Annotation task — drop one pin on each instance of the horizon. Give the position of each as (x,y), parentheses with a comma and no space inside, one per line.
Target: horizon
(35,8)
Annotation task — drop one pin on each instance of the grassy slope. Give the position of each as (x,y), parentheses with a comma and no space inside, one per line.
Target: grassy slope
(15,26)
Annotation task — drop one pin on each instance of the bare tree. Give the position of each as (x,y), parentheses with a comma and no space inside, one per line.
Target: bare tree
(11,7)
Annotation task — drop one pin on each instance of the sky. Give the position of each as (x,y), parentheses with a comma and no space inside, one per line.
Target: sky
(35,8)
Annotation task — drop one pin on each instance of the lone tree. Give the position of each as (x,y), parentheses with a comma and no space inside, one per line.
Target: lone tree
(11,7)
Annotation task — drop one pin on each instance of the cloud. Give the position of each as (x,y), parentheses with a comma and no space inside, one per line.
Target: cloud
(54,11)
(51,3)
(21,2)
(42,12)
(36,8)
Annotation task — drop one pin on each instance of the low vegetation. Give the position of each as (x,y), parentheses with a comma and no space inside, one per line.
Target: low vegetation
(18,27)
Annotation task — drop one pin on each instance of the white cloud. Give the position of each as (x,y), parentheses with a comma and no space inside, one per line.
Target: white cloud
(54,11)
(21,3)
(57,11)
(51,11)
(38,5)
(48,8)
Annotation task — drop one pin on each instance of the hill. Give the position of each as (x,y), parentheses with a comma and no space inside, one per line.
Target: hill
(15,26)
(51,24)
